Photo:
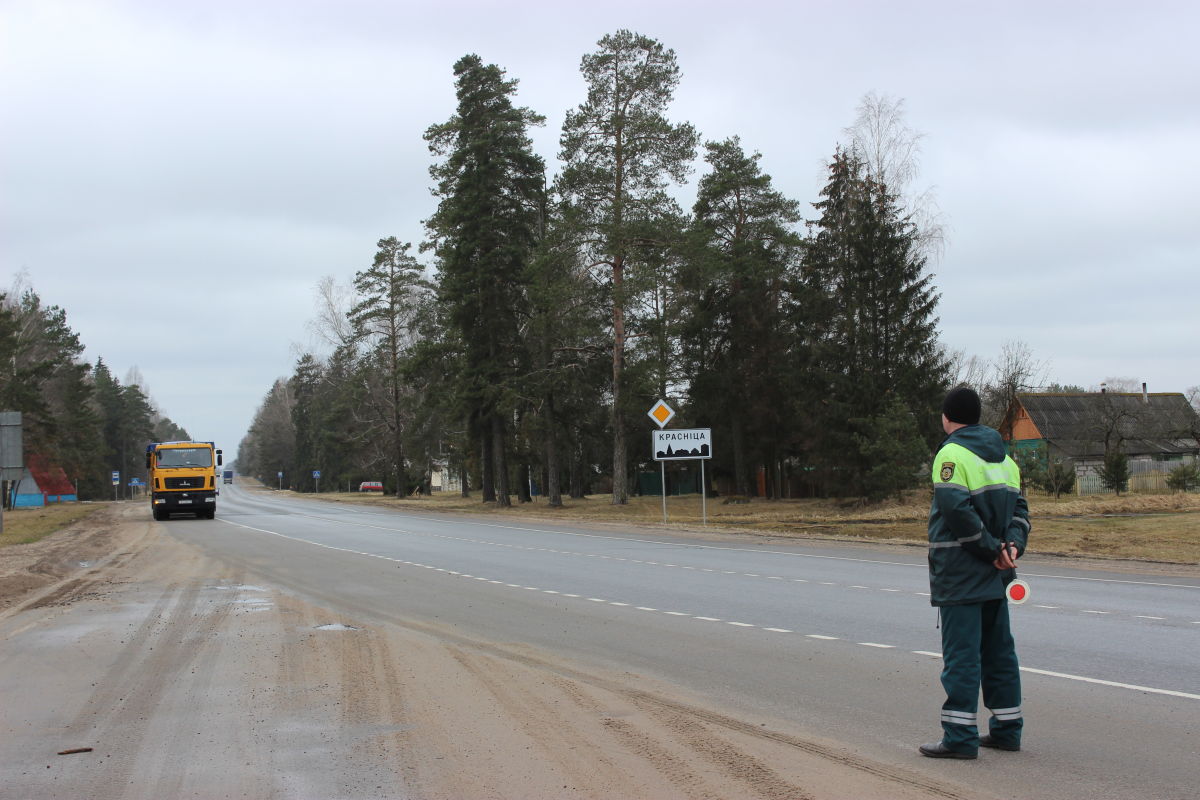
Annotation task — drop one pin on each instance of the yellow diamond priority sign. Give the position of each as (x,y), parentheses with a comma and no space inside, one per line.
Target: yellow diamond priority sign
(661,413)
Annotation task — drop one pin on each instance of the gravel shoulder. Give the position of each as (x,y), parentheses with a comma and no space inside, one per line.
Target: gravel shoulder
(178,675)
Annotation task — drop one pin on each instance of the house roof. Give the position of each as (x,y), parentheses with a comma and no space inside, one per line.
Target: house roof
(50,477)
(1162,423)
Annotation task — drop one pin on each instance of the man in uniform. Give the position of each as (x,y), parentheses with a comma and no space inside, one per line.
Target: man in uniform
(978,527)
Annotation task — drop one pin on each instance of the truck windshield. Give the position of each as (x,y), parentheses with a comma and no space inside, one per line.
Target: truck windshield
(184,457)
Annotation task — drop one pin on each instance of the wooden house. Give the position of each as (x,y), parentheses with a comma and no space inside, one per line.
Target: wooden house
(1157,431)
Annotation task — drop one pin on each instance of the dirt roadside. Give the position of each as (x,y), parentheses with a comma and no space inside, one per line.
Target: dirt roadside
(187,677)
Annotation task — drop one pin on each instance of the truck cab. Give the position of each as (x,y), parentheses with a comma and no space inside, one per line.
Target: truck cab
(183,478)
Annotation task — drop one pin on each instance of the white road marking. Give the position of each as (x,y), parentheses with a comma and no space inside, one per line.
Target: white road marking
(1031,670)
(1133,686)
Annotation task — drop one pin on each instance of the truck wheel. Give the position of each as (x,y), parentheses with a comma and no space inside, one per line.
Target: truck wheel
(158,514)
(210,514)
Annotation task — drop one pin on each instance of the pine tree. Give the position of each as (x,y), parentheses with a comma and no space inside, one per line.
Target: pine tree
(124,414)
(385,318)
(269,447)
(619,151)
(492,188)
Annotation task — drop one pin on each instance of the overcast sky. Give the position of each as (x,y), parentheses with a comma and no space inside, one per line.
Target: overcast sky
(178,176)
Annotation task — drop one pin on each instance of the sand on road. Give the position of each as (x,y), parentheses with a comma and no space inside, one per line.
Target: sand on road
(176,675)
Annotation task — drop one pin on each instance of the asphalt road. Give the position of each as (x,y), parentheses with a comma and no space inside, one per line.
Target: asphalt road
(836,643)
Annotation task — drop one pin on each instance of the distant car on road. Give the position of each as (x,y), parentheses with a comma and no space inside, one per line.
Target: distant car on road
(371,486)
(228,476)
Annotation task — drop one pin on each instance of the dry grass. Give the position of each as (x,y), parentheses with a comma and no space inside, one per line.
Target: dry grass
(1162,528)
(27,525)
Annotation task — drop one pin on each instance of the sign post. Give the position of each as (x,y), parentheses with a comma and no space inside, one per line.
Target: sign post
(317,478)
(683,445)
(662,413)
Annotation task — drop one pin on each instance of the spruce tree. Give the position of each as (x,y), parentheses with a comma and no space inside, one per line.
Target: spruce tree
(735,280)
(875,322)
(1114,473)
(491,187)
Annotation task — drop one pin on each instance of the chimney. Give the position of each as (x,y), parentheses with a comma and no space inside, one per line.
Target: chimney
(1145,395)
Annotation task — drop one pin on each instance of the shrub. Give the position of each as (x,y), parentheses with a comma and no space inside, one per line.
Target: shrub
(1184,478)
(1115,472)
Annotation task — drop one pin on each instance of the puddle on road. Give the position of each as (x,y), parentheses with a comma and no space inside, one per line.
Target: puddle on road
(336,626)
(255,603)
(249,603)
(239,588)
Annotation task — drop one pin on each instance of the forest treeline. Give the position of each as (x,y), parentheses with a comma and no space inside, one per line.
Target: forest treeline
(558,309)
(76,414)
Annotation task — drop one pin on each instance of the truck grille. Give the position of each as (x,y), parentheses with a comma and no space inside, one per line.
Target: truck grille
(184,483)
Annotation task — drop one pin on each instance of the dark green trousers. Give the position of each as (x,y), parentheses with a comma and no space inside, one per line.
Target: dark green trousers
(978,650)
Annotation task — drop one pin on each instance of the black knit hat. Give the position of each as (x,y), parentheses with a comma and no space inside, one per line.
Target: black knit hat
(962,406)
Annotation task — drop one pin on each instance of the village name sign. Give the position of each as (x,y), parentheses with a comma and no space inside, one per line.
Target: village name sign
(682,444)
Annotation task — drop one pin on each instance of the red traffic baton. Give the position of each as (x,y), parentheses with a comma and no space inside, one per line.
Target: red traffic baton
(1017,591)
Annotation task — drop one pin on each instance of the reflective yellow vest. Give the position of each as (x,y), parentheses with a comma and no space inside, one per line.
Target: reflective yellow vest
(977,506)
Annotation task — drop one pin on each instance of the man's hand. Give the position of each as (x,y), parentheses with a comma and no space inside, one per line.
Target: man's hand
(1007,559)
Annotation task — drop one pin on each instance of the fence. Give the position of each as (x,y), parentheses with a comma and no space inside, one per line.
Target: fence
(1144,476)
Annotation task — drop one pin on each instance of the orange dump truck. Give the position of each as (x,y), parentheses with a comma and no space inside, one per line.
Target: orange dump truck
(183,478)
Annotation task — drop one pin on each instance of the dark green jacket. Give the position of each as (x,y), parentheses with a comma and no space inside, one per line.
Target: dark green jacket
(977,505)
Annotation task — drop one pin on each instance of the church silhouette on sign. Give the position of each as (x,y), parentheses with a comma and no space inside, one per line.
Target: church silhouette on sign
(695,452)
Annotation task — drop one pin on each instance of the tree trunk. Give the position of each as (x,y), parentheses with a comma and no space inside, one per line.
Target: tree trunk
(401,481)
(524,495)
(487,463)
(740,470)
(551,487)
(620,489)
(500,459)
(575,470)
